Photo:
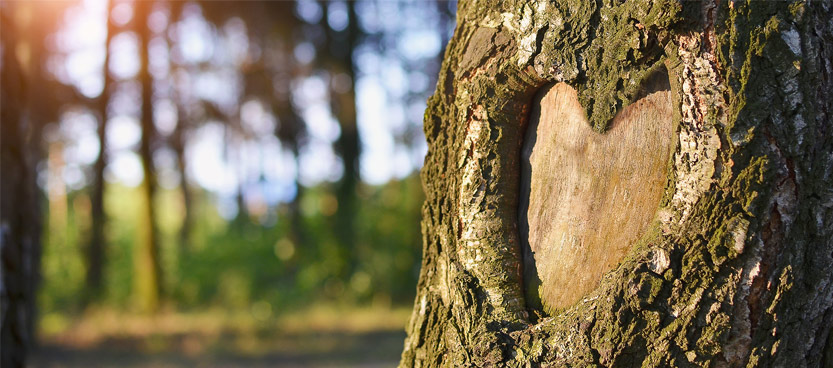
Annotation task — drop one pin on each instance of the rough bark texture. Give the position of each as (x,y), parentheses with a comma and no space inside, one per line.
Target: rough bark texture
(740,271)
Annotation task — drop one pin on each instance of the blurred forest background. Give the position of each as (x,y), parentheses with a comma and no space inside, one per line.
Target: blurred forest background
(220,182)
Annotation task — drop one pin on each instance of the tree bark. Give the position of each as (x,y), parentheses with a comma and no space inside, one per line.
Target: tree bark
(739,269)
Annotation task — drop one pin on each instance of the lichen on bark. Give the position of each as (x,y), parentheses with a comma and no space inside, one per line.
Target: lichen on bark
(740,269)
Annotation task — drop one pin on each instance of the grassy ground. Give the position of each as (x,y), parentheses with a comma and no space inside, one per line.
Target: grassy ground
(316,337)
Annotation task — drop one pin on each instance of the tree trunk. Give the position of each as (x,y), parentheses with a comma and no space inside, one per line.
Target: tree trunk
(178,143)
(20,226)
(96,249)
(291,131)
(340,46)
(148,275)
(735,265)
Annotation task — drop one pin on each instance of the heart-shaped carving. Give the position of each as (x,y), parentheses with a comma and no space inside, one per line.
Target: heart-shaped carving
(586,197)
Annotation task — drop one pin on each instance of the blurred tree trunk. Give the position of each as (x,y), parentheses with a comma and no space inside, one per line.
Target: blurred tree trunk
(97,247)
(29,102)
(242,219)
(290,130)
(340,46)
(178,144)
(296,216)
(56,195)
(740,269)
(20,221)
(148,270)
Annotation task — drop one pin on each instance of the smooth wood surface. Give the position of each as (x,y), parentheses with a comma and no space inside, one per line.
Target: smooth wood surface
(587,197)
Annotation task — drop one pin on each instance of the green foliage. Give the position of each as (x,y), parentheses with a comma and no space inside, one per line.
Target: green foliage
(239,265)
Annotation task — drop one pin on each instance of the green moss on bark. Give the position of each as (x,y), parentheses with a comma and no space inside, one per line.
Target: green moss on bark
(745,233)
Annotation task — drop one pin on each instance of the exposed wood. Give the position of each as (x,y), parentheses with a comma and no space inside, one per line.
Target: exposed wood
(587,197)
(740,273)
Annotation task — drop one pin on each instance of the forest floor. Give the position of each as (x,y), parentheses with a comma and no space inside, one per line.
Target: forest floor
(316,337)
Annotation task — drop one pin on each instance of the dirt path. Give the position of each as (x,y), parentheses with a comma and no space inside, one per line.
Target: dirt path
(371,349)
(315,337)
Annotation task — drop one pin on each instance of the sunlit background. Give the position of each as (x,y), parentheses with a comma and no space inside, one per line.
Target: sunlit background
(227,183)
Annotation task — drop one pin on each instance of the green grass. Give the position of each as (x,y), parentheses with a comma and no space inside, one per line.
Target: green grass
(231,265)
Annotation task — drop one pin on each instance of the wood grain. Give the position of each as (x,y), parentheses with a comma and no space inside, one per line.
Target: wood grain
(587,197)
